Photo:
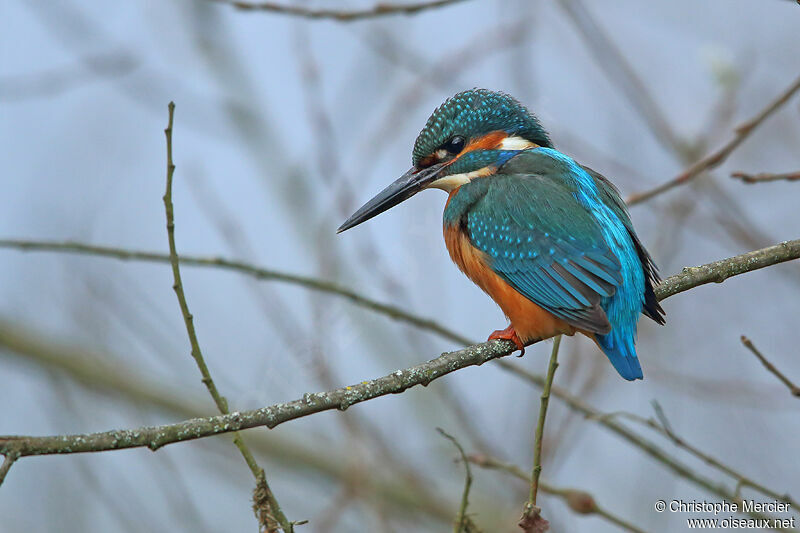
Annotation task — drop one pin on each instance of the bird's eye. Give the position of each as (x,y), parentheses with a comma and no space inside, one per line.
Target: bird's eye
(454,145)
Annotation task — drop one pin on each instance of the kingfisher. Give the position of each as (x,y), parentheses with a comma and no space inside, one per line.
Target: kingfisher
(548,239)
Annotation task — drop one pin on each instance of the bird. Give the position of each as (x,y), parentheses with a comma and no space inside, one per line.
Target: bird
(548,239)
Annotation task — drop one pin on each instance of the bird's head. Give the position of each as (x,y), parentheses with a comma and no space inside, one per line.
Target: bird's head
(470,135)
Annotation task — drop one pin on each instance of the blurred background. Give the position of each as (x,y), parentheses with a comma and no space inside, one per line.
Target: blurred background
(283,126)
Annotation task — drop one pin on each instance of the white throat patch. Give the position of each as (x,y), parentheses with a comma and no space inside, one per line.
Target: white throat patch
(454,181)
(516,143)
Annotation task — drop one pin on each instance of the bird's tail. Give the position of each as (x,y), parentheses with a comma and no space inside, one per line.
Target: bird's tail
(621,351)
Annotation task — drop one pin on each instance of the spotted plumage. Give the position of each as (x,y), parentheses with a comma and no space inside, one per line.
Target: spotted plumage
(548,239)
(480,111)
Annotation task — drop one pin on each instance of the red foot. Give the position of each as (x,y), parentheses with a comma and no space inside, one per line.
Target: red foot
(509,334)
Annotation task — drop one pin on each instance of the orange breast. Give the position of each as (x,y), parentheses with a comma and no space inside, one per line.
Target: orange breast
(530,321)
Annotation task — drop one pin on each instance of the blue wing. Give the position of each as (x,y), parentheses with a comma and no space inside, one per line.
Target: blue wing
(547,246)
(612,198)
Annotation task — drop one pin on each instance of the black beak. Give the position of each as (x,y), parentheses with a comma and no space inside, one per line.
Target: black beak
(404,188)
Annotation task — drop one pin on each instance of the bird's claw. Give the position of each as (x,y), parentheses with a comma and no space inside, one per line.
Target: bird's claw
(509,334)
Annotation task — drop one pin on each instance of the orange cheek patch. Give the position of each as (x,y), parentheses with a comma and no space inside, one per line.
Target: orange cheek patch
(487,142)
(490,141)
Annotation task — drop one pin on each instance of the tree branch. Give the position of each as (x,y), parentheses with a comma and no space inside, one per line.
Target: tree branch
(719,271)
(578,500)
(716,272)
(101,372)
(154,437)
(632,437)
(8,460)
(330,287)
(794,389)
(620,73)
(268,510)
(666,430)
(463,523)
(765,176)
(715,159)
(532,511)
(378,10)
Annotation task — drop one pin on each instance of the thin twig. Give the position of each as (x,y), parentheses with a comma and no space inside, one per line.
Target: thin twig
(154,437)
(794,389)
(539,437)
(444,73)
(463,523)
(329,165)
(269,520)
(717,158)
(765,176)
(577,500)
(662,418)
(664,427)
(95,372)
(378,10)
(620,72)
(48,83)
(8,460)
(271,416)
(531,515)
(719,271)
(691,277)
(257,272)
(632,437)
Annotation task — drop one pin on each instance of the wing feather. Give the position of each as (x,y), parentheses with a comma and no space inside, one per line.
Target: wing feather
(651,306)
(553,253)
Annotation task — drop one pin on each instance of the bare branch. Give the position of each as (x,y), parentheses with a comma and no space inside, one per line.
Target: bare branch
(620,73)
(221,263)
(531,510)
(8,460)
(154,437)
(794,389)
(691,277)
(664,427)
(577,500)
(57,80)
(378,10)
(719,271)
(102,372)
(649,447)
(715,159)
(271,515)
(765,176)
(463,523)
